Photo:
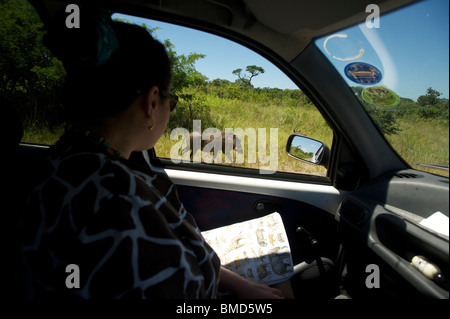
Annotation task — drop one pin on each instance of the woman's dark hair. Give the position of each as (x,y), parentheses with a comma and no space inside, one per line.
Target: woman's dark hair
(93,93)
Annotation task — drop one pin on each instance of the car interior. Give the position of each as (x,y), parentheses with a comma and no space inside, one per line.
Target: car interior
(352,233)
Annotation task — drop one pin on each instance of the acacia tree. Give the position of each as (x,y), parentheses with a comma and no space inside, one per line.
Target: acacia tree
(246,79)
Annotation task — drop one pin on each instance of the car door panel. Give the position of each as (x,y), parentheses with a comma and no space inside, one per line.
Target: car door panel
(325,197)
(218,200)
(376,231)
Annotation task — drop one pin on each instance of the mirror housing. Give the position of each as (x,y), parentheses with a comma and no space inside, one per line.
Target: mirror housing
(308,150)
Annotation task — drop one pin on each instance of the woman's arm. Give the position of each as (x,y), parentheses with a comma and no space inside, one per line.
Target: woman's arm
(246,289)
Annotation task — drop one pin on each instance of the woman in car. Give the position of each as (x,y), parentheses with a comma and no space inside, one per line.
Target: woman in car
(98,225)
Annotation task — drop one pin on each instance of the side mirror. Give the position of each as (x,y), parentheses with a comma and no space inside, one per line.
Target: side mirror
(308,150)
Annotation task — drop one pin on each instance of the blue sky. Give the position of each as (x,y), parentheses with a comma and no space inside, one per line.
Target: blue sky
(412,50)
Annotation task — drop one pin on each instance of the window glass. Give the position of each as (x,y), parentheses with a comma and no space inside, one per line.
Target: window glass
(31,77)
(398,67)
(222,87)
(225,87)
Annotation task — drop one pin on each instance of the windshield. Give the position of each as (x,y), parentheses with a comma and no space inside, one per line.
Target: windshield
(398,67)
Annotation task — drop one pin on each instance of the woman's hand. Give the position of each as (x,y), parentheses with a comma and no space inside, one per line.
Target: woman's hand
(246,289)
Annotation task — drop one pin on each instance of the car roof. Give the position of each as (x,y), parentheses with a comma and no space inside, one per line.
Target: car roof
(285,27)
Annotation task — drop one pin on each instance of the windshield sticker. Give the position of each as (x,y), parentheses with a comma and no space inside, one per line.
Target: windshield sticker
(342,36)
(363,73)
(377,95)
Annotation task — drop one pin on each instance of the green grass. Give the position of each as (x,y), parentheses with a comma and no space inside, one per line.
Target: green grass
(423,142)
(418,141)
(240,114)
(40,133)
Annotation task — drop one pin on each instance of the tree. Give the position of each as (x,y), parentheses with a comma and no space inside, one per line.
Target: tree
(431,106)
(185,82)
(184,72)
(245,79)
(431,98)
(183,66)
(384,118)
(220,82)
(30,76)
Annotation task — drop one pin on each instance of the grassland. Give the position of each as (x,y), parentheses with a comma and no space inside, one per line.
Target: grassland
(233,113)
(419,141)
(423,142)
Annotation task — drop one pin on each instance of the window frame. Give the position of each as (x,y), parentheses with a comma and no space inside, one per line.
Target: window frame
(285,68)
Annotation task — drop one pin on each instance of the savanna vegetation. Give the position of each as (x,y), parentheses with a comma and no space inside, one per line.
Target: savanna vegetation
(31,79)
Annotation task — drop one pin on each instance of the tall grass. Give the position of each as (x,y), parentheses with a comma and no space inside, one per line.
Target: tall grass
(36,132)
(233,113)
(423,141)
(418,141)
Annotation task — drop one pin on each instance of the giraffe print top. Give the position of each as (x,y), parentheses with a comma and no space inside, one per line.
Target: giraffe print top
(121,224)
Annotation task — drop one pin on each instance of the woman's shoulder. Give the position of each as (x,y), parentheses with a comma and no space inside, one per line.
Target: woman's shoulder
(75,160)
(81,168)
(77,163)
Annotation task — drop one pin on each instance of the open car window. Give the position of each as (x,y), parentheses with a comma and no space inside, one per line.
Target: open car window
(397,66)
(224,87)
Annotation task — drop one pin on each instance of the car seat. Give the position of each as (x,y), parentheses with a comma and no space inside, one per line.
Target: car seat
(21,169)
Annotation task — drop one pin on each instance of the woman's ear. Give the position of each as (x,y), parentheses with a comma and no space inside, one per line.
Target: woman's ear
(151,100)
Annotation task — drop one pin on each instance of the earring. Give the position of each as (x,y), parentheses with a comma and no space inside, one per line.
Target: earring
(152,126)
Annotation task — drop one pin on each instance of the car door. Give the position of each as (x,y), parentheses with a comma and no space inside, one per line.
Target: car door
(344,206)
(228,189)
(218,199)
(232,191)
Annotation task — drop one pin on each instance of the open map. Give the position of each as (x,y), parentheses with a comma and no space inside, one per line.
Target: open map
(257,249)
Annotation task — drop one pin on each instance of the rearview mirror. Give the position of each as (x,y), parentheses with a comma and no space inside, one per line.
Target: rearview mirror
(308,150)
